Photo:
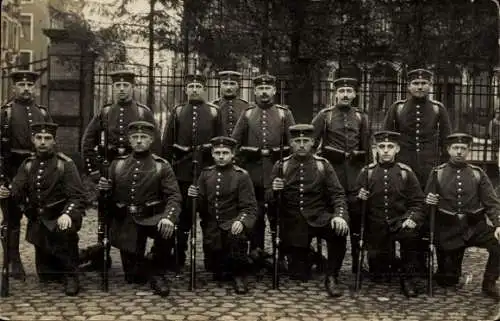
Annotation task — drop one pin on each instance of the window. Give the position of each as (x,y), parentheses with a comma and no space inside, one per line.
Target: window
(5,34)
(26,20)
(25,58)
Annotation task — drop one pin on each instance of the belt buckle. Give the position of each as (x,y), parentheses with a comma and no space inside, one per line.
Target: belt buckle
(460,215)
(121,150)
(133,209)
(265,152)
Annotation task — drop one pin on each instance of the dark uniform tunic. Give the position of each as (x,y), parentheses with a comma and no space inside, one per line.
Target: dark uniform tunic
(116,118)
(231,110)
(262,127)
(312,197)
(16,118)
(226,195)
(145,191)
(395,195)
(190,124)
(47,187)
(417,121)
(467,215)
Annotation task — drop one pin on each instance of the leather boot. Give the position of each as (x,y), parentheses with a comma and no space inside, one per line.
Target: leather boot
(490,289)
(160,285)
(71,285)
(408,288)
(92,257)
(16,266)
(240,285)
(332,286)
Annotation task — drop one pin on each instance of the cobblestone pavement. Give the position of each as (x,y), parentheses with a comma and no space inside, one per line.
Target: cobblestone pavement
(294,300)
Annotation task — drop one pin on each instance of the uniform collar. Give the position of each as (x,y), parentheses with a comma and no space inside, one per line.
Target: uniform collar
(23,101)
(224,168)
(458,165)
(141,155)
(265,106)
(344,108)
(302,159)
(228,98)
(45,156)
(386,165)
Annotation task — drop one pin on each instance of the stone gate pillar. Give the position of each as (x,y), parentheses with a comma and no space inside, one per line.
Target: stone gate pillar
(70,88)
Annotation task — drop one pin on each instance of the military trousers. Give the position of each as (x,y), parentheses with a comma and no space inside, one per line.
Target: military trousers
(230,255)
(264,209)
(185,223)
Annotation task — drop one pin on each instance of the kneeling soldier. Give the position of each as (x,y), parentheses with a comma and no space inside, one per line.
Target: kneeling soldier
(146,200)
(313,205)
(49,188)
(467,214)
(228,210)
(395,198)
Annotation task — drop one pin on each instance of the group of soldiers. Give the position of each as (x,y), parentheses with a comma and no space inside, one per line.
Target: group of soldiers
(235,163)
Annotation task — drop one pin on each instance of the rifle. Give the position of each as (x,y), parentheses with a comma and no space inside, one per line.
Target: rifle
(432,219)
(103,202)
(276,251)
(4,205)
(192,279)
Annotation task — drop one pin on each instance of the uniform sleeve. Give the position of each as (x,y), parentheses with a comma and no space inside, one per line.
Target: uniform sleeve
(240,129)
(219,128)
(171,193)
(444,131)
(19,188)
(415,197)
(319,127)
(90,141)
(169,137)
(269,193)
(48,117)
(430,187)
(335,192)
(390,121)
(75,192)
(156,147)
(489,199)
(364,141)
(289,121)
(202,200)
(247,203)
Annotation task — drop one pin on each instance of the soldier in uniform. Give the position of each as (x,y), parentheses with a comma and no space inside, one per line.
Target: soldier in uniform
(228,210)
(467,214)
(344,135)
(16,118)
(260,131)
(423,124)
(49,189)
(147,202)
(187,139)
(395,197)
(230,104)
(112,119)
(313,205)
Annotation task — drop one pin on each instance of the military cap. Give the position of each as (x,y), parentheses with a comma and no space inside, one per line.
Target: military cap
(24,75)
(301,130)
(223,141)
(230,75)
(195,77)
(123,76)
(459,138)
(386,136)
(141,127)
(420,74)
(346,82)
(265,79)
(44,128)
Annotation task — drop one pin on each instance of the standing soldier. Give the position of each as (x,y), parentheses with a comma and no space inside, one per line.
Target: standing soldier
(394,197)
(230,105)
(260,132)
(187,139)
(228,210)
(344,134)
(113,120)
(313,205)
(467,214)
(423,124)
(16,118)
(48,187)
(147,202)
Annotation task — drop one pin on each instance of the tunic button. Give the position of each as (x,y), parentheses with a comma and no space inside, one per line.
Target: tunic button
(217,193)
(417,131)
(385,170)
(30,121)
(121,109)
(459,203)
(417,150)
(217,186)
(417,144)
(301,209)
(132,190)
(219,174)
(121,138)
(459,183)
(458,176)
(385,176)
(458,171)
(418,119)
(137,169)
(29,114)
(418,106)
(418,112)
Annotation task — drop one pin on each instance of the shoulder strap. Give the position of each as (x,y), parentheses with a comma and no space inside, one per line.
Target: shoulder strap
(140,112)
(285,167)
(320,166)
(117,169)
(60,165)
(281,113)
(158,168)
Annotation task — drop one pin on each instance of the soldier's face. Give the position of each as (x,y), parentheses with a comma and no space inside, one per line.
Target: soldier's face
(458,152)
(122,90)
(419,88)
(265,93)
(140,142)
(43,142)
(24,90)
(345,95)
(387,151)
(302,146)
(195,91)
(222,155)
(229,87)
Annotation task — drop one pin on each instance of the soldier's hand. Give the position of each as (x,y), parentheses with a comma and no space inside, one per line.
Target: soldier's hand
(193,191)
(409,223)
(64,222)
(339,225)
(4,192)
(236,228)
(497,233)
(94,176)
(166,228)
(432,199)
(104,184)
(363,194)
(278,184)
